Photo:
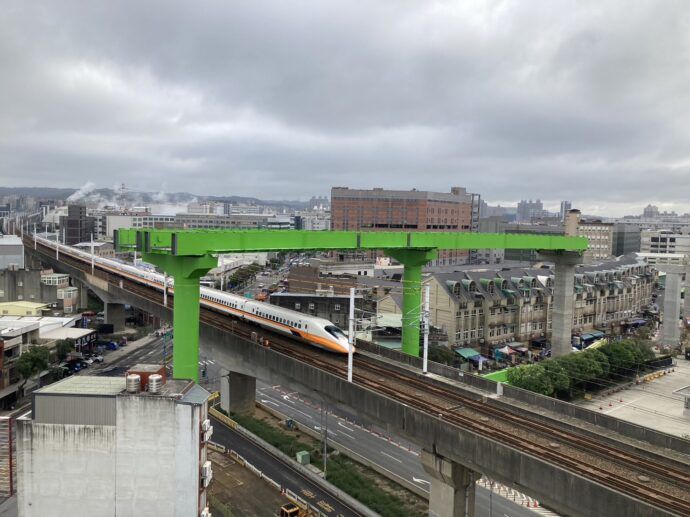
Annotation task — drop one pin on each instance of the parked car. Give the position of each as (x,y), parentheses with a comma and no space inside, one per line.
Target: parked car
(97,358)
(111,346)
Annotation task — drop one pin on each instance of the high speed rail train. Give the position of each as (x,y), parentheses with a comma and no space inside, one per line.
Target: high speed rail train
(317,332)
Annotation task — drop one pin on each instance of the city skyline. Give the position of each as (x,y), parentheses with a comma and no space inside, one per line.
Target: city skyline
(511,100)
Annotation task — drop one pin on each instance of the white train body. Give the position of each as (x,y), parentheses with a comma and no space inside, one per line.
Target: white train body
(315,331)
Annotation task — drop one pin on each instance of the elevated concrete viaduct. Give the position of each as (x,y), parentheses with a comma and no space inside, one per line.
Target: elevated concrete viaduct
(453,456)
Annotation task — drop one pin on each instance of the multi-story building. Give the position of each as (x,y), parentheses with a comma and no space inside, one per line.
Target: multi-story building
(413,210)
(665,241)
(100,249)
(143,450)
(11,252)
(528,210)
(76,226)
(325,304)
(626,239)
(491,224)
(565,208)
(206,207)
(14,339)
(313,220)
(488,308)
(245,221)
(598,233)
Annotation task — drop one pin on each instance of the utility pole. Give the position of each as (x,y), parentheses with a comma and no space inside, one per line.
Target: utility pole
(35,236)
(165,289)
(92,258)
(351,335)
(425,363)
(57,245)
(324,427)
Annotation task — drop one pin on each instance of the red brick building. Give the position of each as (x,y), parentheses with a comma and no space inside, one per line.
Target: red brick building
(411,210)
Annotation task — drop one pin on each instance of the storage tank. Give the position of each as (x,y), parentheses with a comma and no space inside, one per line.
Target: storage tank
(133,384)
(155,383)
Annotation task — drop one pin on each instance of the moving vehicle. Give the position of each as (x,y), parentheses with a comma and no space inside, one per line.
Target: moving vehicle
(315,331)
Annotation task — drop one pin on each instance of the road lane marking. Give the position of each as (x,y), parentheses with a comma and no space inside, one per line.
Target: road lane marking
(346,427)
(269,402)
(391,457)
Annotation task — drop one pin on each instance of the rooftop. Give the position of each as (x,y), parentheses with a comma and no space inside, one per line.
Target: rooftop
(86,385)
(10,240)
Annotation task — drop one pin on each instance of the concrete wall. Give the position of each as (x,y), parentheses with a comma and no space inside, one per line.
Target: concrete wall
(65,469)
(157,470)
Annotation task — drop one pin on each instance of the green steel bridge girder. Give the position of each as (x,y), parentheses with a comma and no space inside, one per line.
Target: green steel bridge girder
(184,242)
(188,254)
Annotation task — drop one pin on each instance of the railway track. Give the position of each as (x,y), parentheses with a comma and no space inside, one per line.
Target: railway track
(665,485)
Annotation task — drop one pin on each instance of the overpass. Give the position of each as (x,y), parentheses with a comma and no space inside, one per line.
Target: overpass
(592,465)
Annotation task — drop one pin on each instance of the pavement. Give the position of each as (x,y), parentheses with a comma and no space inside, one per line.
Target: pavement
(148,349)
(651,404)
(389,452)
(282,473)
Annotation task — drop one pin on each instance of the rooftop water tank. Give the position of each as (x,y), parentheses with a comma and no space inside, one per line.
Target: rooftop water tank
(155,383)
(133,383)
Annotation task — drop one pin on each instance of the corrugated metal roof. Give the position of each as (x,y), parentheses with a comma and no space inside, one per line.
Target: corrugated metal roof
(86,385)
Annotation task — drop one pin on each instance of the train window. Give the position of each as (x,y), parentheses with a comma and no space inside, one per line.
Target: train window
(335,332)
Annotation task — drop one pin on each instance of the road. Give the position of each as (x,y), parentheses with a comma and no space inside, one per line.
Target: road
(279,471)
(388,452)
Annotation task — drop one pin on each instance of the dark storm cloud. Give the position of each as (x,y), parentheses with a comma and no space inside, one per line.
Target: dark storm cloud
(557,100)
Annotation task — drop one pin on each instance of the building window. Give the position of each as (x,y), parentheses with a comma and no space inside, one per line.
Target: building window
(311,306)
(336,307)
(298,306)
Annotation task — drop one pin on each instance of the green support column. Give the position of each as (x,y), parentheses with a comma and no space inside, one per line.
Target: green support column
(186,271)
(413,260)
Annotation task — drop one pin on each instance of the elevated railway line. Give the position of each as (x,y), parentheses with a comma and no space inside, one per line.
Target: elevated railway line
(649,477)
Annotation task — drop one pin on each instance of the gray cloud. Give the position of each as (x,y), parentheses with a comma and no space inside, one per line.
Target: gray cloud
(556,100)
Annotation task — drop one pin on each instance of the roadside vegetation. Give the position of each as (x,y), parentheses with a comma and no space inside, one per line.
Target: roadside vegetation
(360,482)
(590,370)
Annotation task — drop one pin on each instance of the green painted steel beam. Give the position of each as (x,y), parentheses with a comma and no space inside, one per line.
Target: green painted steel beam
(186,271)
(187,256)
(202,242)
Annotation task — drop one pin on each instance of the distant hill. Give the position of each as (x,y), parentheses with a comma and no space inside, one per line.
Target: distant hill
(143,198)
(38,192)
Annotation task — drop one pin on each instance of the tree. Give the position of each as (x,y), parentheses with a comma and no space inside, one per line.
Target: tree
(32,362)
(63,348)
(621,359)
(440,354)
(557,375)
(531,377)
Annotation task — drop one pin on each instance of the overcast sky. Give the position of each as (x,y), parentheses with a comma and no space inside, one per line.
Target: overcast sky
(581,100)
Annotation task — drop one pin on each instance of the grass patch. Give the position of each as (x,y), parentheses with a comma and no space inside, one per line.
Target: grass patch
(287,444)
(218,506)
(359,482)
(348,477)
